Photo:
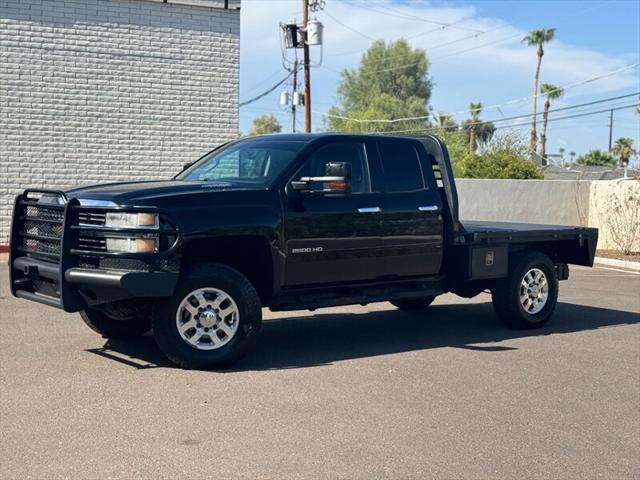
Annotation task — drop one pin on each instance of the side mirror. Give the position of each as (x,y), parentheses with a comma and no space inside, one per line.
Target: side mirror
(336,182)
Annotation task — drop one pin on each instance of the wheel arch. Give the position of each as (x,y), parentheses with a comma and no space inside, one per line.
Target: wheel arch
(249,254)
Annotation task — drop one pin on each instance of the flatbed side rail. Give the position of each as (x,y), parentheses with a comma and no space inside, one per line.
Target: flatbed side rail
(571,245)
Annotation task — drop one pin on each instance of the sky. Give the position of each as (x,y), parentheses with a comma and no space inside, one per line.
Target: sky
(476,54)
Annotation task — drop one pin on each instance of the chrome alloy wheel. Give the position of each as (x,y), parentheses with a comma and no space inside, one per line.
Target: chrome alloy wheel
(534,291)
(207,318)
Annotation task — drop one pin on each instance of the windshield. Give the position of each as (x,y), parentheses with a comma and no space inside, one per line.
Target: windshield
(254,163)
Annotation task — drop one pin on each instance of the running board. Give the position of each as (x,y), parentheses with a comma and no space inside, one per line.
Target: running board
(330,299)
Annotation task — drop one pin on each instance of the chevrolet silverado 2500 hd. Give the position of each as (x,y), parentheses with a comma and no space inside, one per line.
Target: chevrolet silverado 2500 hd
(285,222)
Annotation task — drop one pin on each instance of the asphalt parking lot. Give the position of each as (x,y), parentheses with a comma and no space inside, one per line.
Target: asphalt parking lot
(357,392)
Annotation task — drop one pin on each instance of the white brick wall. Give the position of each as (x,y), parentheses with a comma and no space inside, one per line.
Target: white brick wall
(107,90)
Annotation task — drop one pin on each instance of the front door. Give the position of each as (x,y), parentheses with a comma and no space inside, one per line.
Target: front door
(336,239)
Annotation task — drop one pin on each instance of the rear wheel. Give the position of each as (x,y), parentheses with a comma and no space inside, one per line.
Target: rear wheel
(212,320)
(413,304)
(528,296)
(118,320)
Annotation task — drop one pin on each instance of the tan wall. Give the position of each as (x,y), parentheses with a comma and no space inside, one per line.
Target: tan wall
(614,208)
(556,202)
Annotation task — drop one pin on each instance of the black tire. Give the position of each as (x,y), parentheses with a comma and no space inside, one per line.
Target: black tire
(506,292)
(413,304)
(233,283)
(110,327)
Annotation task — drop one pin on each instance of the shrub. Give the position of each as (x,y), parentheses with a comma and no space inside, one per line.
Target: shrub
(501,164)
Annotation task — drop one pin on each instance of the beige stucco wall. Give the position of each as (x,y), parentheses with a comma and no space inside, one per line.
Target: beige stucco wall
(557,202)
(614,208)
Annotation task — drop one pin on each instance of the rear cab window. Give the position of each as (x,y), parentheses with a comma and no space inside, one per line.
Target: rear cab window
(401,167)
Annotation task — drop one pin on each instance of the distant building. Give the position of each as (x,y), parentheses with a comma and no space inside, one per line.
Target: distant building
(111,90)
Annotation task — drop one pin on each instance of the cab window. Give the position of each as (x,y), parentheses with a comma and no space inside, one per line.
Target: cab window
(401,167)
(352,152)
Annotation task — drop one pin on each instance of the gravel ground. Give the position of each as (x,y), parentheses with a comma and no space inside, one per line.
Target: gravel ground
(353,392)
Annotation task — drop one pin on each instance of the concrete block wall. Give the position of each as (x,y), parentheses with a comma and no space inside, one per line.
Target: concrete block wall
(112,90)
(555,202)
(612,206)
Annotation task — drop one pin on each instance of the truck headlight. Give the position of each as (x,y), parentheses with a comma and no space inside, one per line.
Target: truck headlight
(131,220)
(147,244)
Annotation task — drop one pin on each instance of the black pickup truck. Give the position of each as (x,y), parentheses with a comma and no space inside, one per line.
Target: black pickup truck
(287,222)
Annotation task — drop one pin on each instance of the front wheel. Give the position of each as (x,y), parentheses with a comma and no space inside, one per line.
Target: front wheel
(116,321)
(528,296)
(212,320)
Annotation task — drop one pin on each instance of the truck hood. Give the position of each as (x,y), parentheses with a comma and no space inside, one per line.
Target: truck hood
(129,193)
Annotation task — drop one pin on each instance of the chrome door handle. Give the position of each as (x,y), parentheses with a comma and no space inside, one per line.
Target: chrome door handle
(369,210)
(428,208)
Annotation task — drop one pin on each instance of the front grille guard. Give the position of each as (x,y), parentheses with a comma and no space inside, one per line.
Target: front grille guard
(69,255)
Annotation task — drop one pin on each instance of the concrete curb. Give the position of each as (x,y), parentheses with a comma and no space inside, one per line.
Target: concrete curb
(612,262)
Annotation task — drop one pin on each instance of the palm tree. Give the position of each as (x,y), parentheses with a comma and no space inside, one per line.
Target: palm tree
(623,149)
(445,122)
(537,38)
(550,93)
(474,110)
(484,130)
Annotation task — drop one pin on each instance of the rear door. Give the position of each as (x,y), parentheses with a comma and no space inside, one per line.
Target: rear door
(411,209)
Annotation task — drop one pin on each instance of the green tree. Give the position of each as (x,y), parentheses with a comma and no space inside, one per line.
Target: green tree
(596,158)
(623,149)
(537,38)
(391,82)
(457,143)
(550,93)
(265,124)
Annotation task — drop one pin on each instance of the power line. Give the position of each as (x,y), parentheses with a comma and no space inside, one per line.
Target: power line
(401,14)
(348,27)
(428,49)
(516,125)
(500,40)
(509,102)
(264,94)
(255,86)
(570,107)
(442,27)
(399,67)
(575,115)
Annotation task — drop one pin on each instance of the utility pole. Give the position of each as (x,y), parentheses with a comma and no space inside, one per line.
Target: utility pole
(610,129)
(294,89)
(303,36)
(307,69)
